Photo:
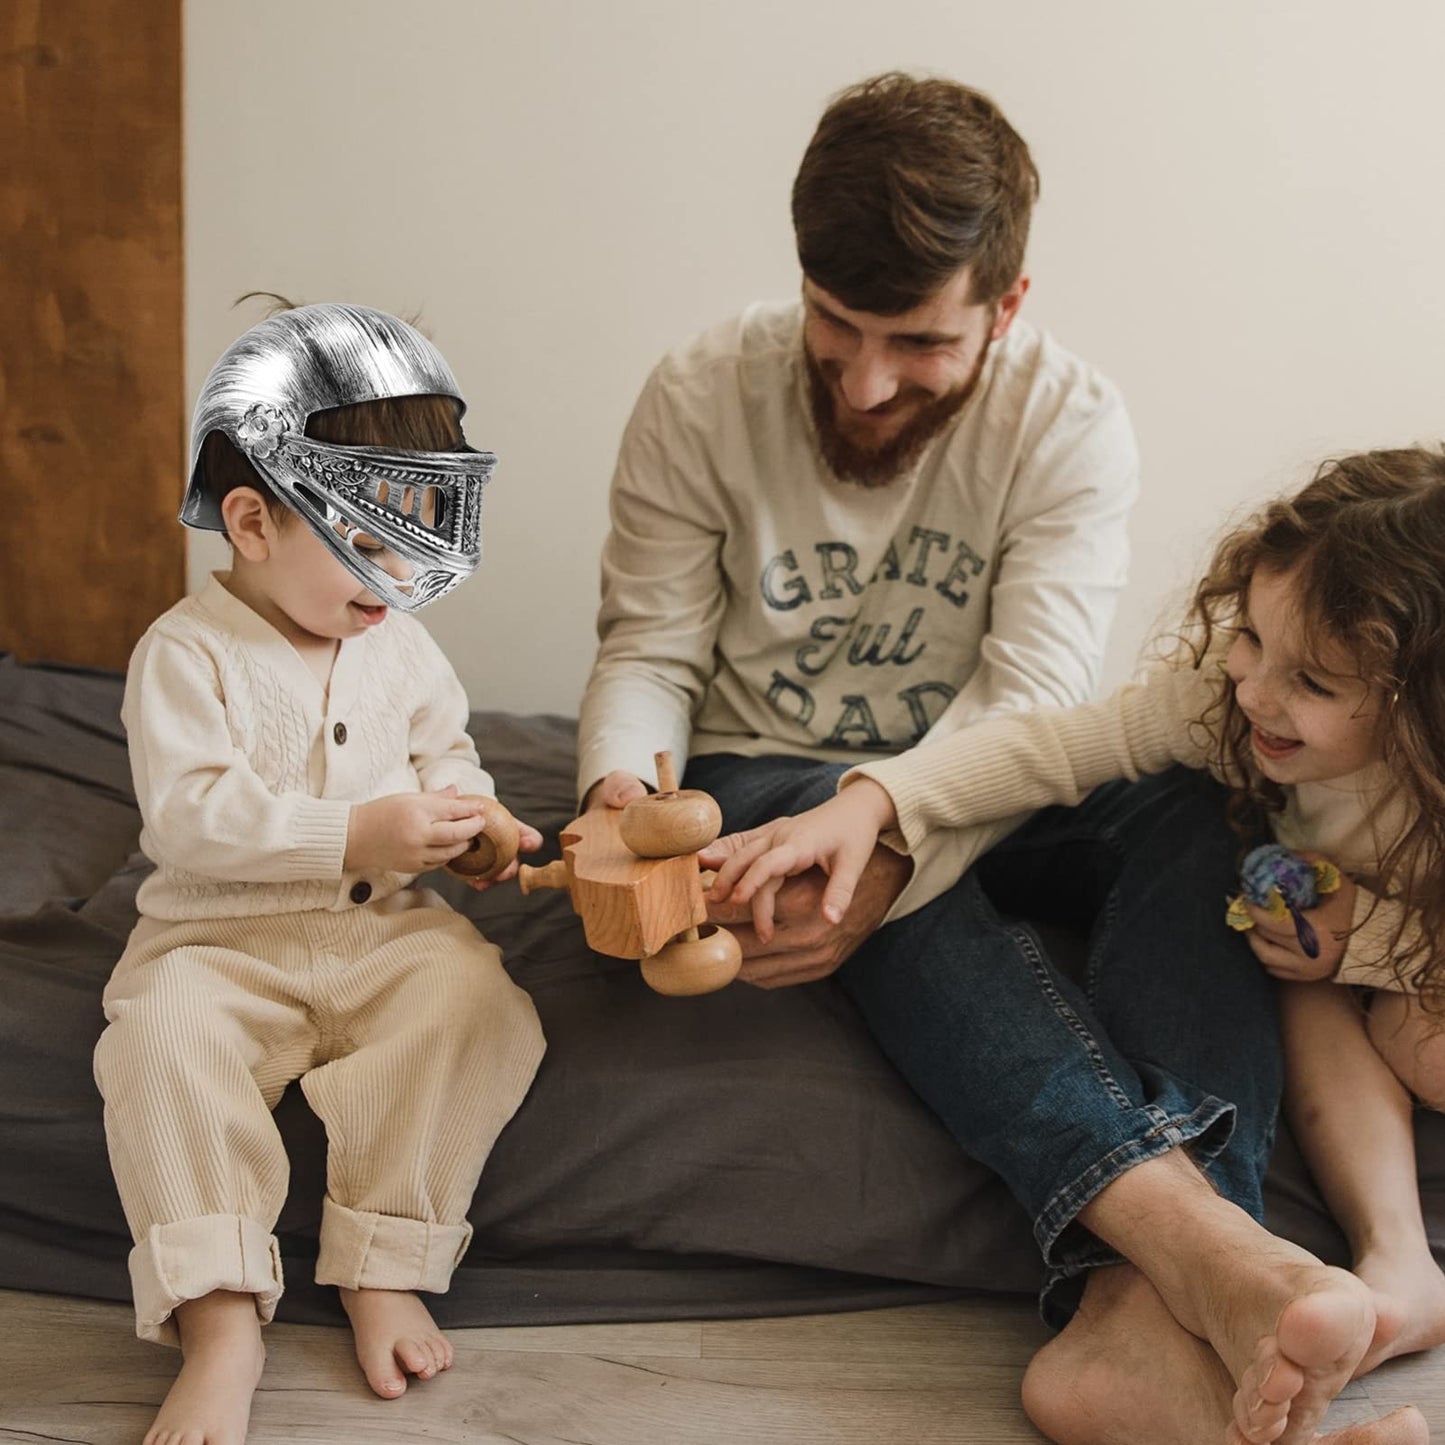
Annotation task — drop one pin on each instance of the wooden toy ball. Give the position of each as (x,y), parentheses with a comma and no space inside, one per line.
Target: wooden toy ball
(493,848)
(670,822)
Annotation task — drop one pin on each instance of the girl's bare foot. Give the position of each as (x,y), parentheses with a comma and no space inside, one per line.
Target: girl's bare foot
(210,1402)
(1409,1305)
(395,1336)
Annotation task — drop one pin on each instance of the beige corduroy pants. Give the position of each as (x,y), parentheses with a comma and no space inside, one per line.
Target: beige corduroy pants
(410,1041)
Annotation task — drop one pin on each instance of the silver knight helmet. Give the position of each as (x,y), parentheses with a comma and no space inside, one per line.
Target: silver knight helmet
(424,507)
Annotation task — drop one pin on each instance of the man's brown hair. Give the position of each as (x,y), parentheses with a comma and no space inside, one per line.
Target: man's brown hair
(905,182)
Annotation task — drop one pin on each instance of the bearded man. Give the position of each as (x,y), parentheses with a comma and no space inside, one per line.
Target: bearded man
(849,525)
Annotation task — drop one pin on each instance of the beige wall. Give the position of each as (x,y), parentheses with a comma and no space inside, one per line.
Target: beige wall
(1243,223)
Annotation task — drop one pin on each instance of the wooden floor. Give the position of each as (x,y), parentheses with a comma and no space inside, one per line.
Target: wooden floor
(72,1370)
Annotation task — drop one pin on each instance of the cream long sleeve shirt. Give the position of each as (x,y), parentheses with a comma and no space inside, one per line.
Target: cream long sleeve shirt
(754,604)
(246,770)
(987,778)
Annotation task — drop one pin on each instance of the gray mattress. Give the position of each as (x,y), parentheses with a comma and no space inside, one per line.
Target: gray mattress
(742,1153)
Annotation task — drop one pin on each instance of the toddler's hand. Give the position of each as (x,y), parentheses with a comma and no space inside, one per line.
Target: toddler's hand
(837,836)
(409,832)
(528,841)
(1276,944)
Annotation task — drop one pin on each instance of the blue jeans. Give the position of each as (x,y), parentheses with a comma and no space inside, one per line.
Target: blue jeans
(1061,1080)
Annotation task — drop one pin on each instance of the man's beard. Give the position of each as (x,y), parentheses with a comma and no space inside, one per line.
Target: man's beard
(877,466)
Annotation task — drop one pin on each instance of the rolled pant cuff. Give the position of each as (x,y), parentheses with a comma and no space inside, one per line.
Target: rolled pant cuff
(1069,1250)
(186,1260)
(360,1250)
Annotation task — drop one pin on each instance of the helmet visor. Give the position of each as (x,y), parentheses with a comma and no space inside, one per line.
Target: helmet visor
(423,508)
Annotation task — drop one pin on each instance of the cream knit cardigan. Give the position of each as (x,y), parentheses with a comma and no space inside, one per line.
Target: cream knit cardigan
(246,770)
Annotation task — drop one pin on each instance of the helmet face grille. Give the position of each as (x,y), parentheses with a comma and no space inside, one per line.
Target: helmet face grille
(424,508)
(434,498)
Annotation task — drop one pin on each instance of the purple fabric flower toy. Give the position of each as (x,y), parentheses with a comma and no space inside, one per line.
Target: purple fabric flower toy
(1275,878)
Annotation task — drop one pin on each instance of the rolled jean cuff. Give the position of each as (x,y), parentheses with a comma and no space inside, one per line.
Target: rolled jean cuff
(361,1250)
(191,1258)
(1068,1248)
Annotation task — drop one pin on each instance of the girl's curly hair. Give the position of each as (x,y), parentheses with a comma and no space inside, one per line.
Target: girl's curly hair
(1365,544)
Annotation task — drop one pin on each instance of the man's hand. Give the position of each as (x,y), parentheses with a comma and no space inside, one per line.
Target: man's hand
(802,944)
(410,832)
(616,790)
(1277,946)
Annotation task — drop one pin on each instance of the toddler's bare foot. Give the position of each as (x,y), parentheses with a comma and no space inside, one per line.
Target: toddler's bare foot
(210,1402)
(395,1336)
(1409,1305)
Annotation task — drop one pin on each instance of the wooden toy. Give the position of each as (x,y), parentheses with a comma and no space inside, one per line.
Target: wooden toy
(493,848)
(634,881)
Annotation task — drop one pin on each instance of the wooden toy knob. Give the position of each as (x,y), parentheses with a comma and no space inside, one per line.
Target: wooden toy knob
(666,825)
(697,965)
(550,875)
(493,848)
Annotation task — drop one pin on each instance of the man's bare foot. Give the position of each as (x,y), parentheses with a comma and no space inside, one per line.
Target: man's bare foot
(1290,1330)
(1124,1370)
(393,1328)
(210,1402)
(1323,1322)
(1409,1305)
(1402,1426)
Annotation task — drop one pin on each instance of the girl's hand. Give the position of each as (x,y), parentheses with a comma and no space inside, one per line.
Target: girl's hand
(1277,946)
(838,836)
(528,841)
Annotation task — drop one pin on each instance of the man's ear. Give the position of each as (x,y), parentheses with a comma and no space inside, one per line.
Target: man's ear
(1007,307)
(248,523)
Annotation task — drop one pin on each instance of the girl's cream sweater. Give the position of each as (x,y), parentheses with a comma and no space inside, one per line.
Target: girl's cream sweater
(1010,765)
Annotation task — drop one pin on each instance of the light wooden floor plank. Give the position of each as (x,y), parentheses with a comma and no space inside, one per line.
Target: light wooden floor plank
(72,1370)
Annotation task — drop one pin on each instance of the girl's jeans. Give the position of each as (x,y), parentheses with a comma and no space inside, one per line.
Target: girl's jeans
(1061,1081)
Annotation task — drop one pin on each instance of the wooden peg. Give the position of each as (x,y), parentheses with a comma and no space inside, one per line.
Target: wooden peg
(550,875)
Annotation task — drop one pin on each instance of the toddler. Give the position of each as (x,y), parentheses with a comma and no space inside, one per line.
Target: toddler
(300,754)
